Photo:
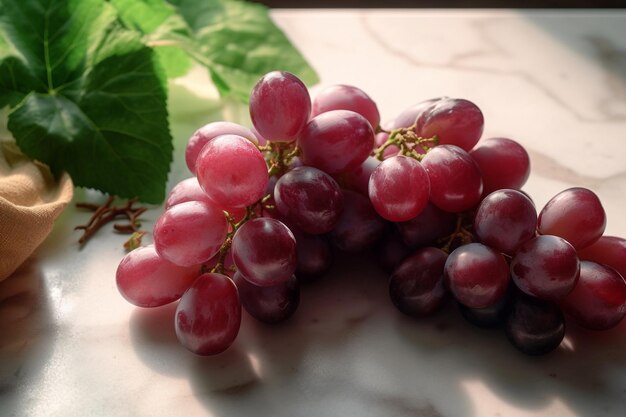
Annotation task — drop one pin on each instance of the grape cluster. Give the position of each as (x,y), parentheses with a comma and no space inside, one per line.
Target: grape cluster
(268,207)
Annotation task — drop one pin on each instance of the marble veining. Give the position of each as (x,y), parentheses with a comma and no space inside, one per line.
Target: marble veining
(71,346)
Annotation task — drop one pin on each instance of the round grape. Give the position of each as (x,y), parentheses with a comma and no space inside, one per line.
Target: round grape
(399,188)
(232,171)
(505,219)
(269,304)
(264,251)
(534,326)
(576,215)
(280,106)
(476,275)
(190,233)
(455,181)
(310,199)
(503,163)
(208,132)
(598,302)
(546,267)
(416,286)
(146,280)
(208,315)
(336,141)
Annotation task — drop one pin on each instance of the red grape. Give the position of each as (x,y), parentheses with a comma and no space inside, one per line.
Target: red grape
(399,188)
(346,97)
(280,106)
(576,215)
(455,181)
(598,302)
(476,275)
(503,163)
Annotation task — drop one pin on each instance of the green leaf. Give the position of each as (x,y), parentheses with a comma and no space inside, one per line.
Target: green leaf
(236,41)
(88,94)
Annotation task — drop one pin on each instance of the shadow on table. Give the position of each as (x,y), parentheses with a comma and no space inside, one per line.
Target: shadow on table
(26,334)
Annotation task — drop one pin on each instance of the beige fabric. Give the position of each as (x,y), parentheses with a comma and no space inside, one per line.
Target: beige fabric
(30,201)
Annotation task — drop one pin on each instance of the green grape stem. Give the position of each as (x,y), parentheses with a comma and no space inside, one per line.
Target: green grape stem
(406,139)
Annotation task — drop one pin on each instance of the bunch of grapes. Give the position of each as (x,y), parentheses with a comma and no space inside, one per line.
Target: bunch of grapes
(268,207)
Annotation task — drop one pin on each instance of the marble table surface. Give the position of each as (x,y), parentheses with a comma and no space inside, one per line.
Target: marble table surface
(554,81)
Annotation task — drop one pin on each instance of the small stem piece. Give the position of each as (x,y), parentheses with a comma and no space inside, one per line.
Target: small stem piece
(105,213)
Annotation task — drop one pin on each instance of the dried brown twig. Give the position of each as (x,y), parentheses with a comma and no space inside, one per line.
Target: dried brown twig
(106,213)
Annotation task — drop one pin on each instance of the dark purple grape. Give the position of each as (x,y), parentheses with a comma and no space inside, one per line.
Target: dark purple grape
(264,251)
(314,255)
(534,326)
(545,267)
(310,199)
(492,316)
(269,304)
(576,215)
(416,286)
(505,219)
(598,302)
(476,275)
(359,227)
(431,224)
(391,251)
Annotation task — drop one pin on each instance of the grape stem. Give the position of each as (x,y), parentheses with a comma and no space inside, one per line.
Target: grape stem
(406,139)
(251,213)
(105,213)
(279,156)
(461,232)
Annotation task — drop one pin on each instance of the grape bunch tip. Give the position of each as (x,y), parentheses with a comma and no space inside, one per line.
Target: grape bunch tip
(268,206)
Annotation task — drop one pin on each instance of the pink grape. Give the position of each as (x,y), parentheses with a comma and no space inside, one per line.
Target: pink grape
(232,171)
(598,302)
(190,233)
(609,251)
(208,315)
(576,215)
(186,190)
(503,163)
(416,286)
(206,133)
(505,219)
(546,267)
(455,180)
(336,141)
(147,280)
(359,227)
(476,275)
(454,121)
(346,97)
(280,106)
(264,251)
(310,199)
(269,304)
(399,188)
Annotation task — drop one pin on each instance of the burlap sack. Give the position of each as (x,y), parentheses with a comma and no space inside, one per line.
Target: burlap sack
(30,201)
